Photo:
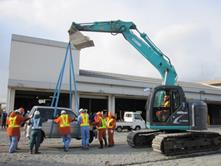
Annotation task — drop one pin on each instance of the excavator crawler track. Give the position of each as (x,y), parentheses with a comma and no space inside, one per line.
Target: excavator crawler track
(186,143)
(139,139)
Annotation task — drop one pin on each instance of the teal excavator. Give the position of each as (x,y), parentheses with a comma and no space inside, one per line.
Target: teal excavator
(177,128)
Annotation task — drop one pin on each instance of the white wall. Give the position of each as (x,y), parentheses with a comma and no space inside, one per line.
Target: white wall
(39,60)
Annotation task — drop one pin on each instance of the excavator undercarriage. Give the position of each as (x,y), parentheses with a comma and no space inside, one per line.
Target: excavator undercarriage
(176,143)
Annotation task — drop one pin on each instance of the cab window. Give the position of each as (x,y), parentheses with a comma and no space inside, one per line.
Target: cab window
(137,116)
(176,100)
(158,99)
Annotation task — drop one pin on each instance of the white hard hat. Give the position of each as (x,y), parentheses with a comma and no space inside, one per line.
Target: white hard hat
(17,111)
(37,113)
(85,110)
(63,112)
(81,110)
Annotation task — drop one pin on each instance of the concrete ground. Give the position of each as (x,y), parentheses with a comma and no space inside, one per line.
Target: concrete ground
(52,154)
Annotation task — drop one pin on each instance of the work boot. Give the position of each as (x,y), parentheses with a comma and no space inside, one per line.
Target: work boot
(101,145)
(31,151)
(37,152)
(66,149)
(105,142)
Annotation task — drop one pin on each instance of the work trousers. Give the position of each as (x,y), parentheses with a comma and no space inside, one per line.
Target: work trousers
(13,140)
(66,141)
(35,139)
(101,134)
(163,115)
(18,139)
(110,137)
(4,124)
(85,135)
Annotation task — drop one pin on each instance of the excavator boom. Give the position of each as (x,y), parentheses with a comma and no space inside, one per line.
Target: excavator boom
(142,43)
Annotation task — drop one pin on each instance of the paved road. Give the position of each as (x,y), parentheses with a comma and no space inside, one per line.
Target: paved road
(53,155)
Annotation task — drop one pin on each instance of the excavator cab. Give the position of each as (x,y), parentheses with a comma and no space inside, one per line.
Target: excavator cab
(167,109)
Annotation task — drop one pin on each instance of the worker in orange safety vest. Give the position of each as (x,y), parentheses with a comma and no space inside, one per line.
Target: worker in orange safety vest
(101,125)
(111,125)
(64,124)
(13,131)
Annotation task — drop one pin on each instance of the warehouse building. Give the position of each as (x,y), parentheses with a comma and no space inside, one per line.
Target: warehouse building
(33,72)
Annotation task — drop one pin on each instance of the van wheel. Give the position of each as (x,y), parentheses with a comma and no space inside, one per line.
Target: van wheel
(119,129)
(91,136)
(137,128)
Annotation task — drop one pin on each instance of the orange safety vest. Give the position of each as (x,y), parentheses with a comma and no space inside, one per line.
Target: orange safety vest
(110,123)
(64,121)
(12,121)
(84,121)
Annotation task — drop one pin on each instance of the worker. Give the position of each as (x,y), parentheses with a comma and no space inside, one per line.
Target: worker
(111,125)
(162,115)
(64,125)
(13,131)
(83,120)
(101,126)
(21,111)
(36,125)
(3,119)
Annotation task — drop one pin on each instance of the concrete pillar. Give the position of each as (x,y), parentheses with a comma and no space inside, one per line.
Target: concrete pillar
(10,100)
(111,103)
(74,103)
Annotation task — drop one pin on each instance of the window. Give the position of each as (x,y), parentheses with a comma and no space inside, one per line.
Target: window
(71,114)
(128,115)
(137,116)
(48,113)
(158,100)
(176,100)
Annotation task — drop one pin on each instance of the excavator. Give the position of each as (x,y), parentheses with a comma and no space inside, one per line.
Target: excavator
(177,129)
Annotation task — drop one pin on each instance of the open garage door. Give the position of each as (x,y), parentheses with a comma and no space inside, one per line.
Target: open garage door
(214,112)
(124,104)
(28,99)
(93,104)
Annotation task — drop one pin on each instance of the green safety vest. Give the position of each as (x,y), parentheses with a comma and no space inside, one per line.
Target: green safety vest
(12,122)
(104,123)
(84,121)
(64,121)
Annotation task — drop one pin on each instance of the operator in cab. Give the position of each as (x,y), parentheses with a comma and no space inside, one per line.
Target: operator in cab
(163,115)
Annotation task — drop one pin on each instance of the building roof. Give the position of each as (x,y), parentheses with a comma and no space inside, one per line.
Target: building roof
(152,81)
(213,82)
(35,40)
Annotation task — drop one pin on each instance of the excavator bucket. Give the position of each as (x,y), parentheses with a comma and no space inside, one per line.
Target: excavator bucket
(79,40)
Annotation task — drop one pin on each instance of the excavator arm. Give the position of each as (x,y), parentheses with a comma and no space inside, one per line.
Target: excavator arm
(142,43)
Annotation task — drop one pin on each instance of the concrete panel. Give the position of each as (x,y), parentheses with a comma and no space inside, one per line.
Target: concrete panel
(38,60)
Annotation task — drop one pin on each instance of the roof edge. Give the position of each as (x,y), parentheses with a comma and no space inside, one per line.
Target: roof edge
(41,41)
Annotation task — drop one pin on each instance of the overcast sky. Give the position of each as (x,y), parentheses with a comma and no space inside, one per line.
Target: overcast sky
(187,31)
